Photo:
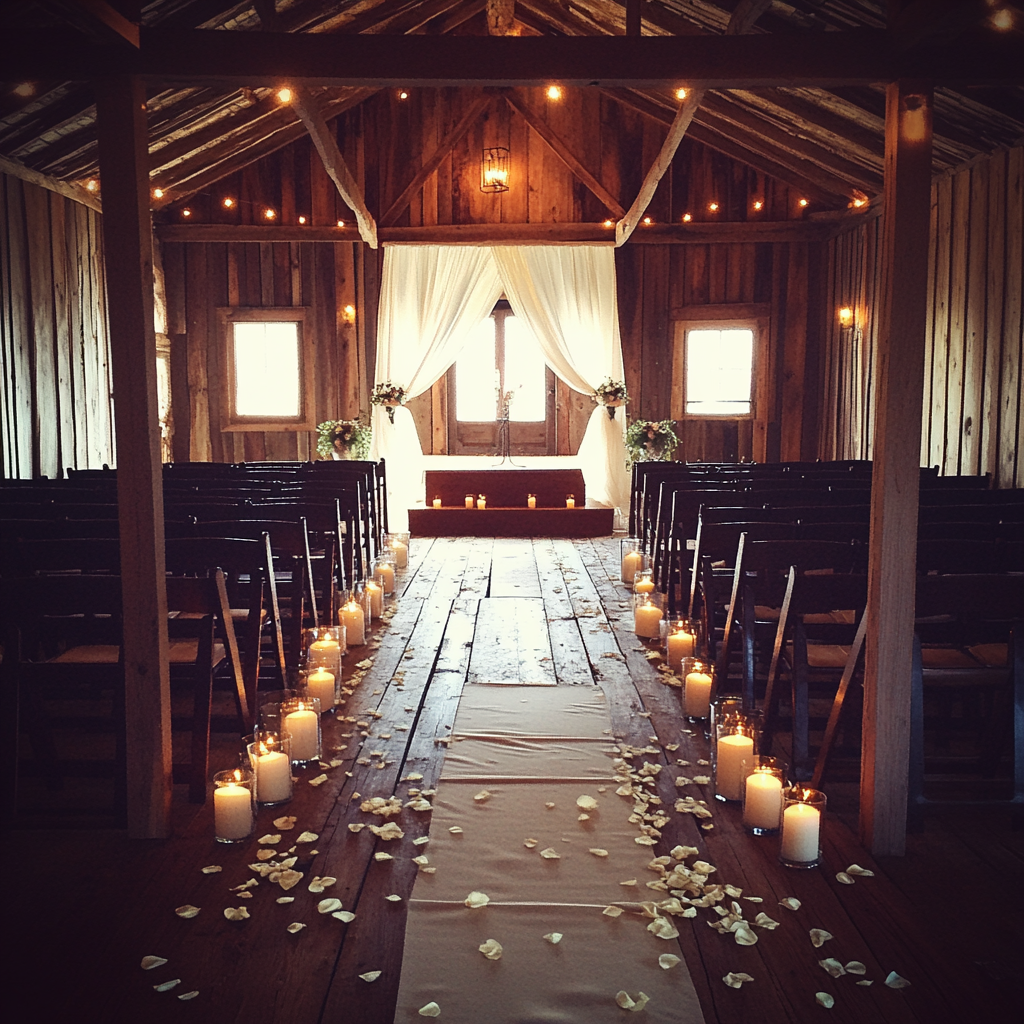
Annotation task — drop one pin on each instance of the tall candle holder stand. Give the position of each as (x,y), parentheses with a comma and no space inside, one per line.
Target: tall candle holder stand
(733,740)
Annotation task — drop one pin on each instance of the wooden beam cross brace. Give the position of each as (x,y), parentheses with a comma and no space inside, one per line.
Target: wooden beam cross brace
(334,162)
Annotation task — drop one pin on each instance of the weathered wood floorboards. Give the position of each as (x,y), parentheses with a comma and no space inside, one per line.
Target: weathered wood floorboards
(541,611)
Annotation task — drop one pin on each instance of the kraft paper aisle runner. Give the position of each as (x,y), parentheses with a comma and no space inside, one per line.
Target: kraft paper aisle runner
(531,747)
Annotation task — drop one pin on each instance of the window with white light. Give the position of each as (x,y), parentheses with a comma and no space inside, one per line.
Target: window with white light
(266,369)
(719,371)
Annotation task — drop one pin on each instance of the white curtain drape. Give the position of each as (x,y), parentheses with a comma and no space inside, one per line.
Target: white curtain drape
(431,299)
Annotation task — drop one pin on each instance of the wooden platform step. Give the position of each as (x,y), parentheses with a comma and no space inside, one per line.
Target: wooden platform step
(511,522)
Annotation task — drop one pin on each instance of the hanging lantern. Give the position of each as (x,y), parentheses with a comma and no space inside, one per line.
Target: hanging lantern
(494,169)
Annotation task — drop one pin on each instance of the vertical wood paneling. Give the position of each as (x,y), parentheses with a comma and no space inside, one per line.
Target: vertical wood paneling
(972,416)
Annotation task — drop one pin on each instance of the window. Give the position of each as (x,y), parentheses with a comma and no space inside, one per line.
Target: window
(502,356)
(716,361)
(266,368)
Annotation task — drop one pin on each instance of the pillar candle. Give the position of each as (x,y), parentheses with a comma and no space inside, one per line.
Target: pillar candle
(697,694)
(800,825)
(644,585)
(647,620)
(437,503)
(469,501)
(481,502)
(375,598)
(732,749)
(531,501)
(232,812)
(570,502)
(325,653)
(273,777)
(762,803)
(351,616)
(632,563)
(321,686)
(304,727)
(401,552)
(680,645)
(386,572)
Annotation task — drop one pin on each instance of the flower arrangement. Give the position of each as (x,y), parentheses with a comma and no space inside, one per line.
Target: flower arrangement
(346,438)
(388,394)
(651,441)
(611,394)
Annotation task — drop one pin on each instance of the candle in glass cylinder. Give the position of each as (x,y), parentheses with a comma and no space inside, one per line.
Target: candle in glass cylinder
(643,583)
(570,501)
(273,775)
(697,693)
(320,684)
(531,501)
(647,619)
(375,598)
(469,501)
(800,827)
(733,748)
(680,645)
(303,724)
(437,503)
(386,573)
(325,653)
(762,801)
(351,616)
(401,552)
(632,563)
(232,809)
(481,502)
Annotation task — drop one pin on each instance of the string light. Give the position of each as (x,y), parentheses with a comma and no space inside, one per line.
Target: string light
(92,185)
(554,92)
(186,212)
(349,311)
(758,204)
(802,203)
(269,214)
(341,223)
(713,207)
(403,95)
(648,222)
(227,202)
(158,193)
(846,316)
(609,224)
(680,94)
(687,217)
(1002,19)
(284,95)
(25,89)
(302,220)
(858,202)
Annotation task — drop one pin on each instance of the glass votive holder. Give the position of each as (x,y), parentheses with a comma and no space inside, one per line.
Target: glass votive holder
(373,600)
(323,647)
(733,741)
(648,611)
(384,572)
(352,616)
(679,641)
(397,544)
(233,805)
(481,501)
(531,501)
(270,758)
(698,689)
(631,557)
(763,785)
(300,719)
(643,582)
(470,500)
(322,685)
(570,501)
(802,813)
(436,502)
(269,717)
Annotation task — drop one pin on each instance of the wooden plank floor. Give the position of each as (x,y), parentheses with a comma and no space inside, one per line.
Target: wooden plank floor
(85,907)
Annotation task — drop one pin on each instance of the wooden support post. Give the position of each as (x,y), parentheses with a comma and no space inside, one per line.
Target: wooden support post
(632,17)
(896,478)
(128,256)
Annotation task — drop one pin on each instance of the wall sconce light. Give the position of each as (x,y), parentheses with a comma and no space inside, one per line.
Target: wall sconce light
(845,316)
(494,170)
(349,313)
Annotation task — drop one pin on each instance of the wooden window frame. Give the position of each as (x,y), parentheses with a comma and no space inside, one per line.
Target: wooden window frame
(742,316)
(230,420)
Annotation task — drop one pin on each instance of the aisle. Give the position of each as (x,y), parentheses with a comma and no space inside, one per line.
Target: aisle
(473,610)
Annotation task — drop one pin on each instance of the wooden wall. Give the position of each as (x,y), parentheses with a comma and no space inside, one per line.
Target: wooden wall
(55,402)
(973,415)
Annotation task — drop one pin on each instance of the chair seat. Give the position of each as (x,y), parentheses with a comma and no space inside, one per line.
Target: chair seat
(846,617)
(946,657)
(991,655)
(180,652)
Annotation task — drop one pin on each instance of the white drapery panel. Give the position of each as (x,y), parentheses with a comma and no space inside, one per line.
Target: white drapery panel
(567,296)
(431,299)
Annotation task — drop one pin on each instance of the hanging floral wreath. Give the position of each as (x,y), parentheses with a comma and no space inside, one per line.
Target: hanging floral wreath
(651,440)
(611,394)
(389,395)
(347,438)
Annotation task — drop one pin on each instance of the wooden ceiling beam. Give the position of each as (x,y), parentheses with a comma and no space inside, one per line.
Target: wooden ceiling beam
(562,151)
(743,17)
(64,188)
(432,162)
(262,58)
